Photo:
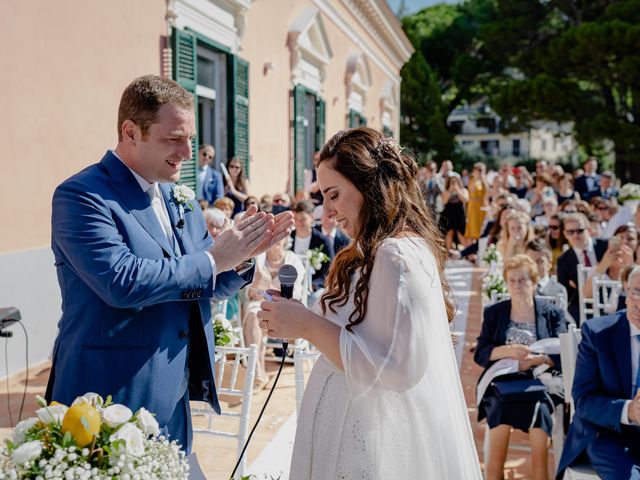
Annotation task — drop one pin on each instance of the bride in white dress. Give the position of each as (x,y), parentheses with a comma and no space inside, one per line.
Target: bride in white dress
(384,400)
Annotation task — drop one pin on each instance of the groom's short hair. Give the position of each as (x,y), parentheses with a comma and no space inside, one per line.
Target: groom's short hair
(143,97)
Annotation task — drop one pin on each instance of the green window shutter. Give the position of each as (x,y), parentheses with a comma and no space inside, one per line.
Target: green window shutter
(387,132)
(300,125)
(239,110)
(353,120)
(356,119)
(184,72)
(320,123)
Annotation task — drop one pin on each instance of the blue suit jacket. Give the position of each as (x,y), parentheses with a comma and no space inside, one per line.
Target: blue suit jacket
(136,319)
(601,385)
(212,187)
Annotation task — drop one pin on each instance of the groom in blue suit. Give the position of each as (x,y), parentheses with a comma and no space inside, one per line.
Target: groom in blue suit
(137,267)
(606,391)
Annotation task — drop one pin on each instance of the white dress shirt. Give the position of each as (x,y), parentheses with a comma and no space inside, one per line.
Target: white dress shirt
(160,209)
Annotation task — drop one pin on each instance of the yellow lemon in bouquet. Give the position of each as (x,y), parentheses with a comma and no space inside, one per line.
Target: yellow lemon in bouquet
(82,421)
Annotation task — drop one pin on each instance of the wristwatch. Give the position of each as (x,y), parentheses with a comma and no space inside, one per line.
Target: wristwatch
(244,266)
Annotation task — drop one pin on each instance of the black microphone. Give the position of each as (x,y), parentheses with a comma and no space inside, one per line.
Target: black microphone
(287,276)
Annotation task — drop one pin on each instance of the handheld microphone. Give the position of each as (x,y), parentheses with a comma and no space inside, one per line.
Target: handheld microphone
(287,276)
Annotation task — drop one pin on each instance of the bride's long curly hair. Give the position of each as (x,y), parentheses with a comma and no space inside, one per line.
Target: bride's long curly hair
(393,204)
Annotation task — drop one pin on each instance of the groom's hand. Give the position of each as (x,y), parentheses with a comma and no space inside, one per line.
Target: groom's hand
(283,223)
(236,244)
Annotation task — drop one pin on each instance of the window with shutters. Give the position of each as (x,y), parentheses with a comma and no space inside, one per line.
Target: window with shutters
(219,82)
(308,133)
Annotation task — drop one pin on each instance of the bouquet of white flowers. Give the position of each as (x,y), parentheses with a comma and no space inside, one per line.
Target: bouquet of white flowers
(491,256)
(317,257)
(493,282)
(92,439)
(223,332)
(629,191)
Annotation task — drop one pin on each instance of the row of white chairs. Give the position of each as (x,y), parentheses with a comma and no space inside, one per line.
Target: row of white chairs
(605,295)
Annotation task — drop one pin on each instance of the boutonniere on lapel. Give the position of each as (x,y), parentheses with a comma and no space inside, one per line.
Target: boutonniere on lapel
(182,195)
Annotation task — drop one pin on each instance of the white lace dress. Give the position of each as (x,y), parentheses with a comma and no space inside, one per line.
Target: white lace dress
(398,410)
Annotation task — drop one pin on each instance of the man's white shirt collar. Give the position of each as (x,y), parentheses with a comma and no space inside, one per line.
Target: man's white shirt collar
(144,185)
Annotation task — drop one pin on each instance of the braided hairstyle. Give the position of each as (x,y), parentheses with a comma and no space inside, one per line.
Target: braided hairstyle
(393,204)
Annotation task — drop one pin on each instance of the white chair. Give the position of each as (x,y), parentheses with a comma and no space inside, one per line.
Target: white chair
(585,304)
(605,295)
(228,374)
(301,354)
(568,353)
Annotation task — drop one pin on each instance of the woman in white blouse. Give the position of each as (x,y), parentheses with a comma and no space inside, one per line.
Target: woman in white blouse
(384,400)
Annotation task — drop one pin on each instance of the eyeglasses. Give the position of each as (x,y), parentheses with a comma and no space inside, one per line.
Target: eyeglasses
(207,155)
(575,231)
(603,207)
(234,166)
(554,227)
(519,281)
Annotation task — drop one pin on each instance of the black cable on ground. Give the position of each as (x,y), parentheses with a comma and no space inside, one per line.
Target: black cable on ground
(285,346)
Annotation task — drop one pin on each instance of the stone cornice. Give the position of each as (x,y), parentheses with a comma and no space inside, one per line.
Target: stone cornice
(378,19)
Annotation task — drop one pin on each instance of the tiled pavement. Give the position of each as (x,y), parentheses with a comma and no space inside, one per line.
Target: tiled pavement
(217,455)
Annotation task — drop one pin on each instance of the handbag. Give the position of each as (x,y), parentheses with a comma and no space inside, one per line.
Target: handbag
(520,390)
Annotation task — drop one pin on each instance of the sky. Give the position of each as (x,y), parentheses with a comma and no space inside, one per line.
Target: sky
(415,5)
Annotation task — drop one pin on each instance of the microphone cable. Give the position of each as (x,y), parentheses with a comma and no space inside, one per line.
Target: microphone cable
(285,347)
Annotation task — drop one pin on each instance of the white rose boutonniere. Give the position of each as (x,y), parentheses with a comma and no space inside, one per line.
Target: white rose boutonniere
(182,196)
(116,415)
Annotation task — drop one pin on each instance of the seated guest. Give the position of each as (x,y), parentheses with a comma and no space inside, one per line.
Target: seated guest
(210,185)
(515,235)
(540,252)
(619,253)
(217,222)
(306,237)
(336,237)
(588,184)
(549,207)
(565,190)
(226,205)
(265,278)
(584,251)
(508,329)
(606,425)
(556,240)
(607,188)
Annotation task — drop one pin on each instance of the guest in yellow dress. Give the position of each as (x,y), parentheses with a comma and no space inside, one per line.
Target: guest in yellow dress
(477,200)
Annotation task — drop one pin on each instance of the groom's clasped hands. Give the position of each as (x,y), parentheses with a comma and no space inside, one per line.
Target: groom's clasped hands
(254,234)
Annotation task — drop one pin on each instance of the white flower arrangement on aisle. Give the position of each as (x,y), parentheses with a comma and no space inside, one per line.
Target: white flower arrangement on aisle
(317,257)
(491,257)
(223,332)
(183,195)
(629,191)
(92,439)
(493,283)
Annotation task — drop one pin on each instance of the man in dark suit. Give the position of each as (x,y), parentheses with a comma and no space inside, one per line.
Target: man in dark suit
(589,183)
(210,186)
(606,392)
(584,251)
(607,189)
(137,267)
(336,237)
(306,238)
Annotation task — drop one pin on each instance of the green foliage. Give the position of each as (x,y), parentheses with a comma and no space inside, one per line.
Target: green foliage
(578,64)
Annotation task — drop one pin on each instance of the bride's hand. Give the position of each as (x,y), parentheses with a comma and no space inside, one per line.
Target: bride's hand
(283,318)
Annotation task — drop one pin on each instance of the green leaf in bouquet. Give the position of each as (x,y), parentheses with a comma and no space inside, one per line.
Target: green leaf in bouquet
(108,401)
(67,440)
